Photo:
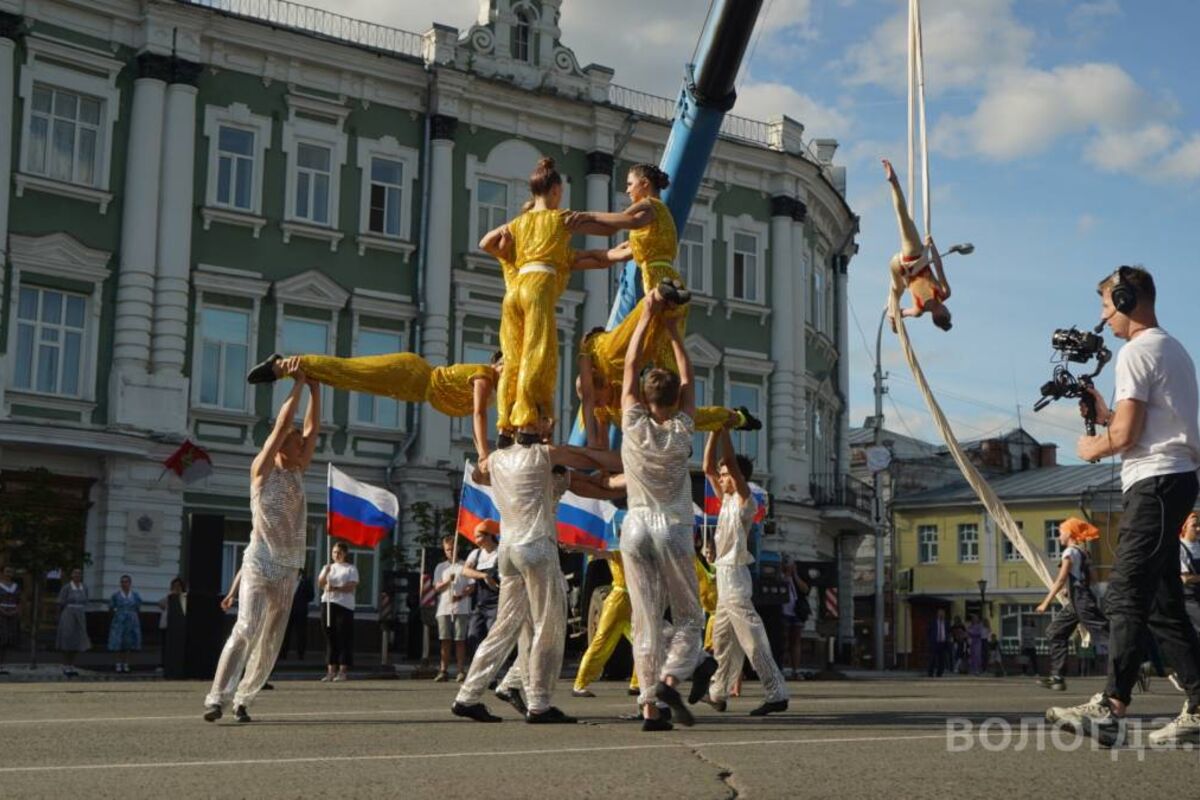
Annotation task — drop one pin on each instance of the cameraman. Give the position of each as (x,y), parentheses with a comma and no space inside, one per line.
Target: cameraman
(1154,430)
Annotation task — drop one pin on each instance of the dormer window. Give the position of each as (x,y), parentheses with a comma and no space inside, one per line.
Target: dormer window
(522,36)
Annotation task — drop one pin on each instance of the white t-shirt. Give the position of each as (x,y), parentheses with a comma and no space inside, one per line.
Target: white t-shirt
(447,606)
(1076,557)
(733,532)
(656,457)
(481,560)
(339,575)
(1154,368)
(526,492)
(1185,568)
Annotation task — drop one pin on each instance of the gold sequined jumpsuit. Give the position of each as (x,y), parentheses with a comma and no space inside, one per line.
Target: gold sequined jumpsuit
(404,376)
(528,330)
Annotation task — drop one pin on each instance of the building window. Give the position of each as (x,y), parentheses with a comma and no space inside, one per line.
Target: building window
(313,177)
(64,135)
(50,337)
(304,337)
(1053,547)
(745,268)
(1020,623)
(817,302)
(387,182)
(1011,553)
(369,409)
(491,202)
(224,353)
(692,256)
(749,395)
(478,352)
(235,168)
(968,544)
(927,544)
(522,37)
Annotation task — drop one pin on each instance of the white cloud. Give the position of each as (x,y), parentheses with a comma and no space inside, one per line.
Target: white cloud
(965,41)
(1086,19)
(764,100)
(1085,223)
(1025,111)
(1128,150)
(1183,163)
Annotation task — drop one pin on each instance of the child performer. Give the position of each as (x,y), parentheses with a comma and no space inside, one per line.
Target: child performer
(910,267)
(1075,575)
(738,630)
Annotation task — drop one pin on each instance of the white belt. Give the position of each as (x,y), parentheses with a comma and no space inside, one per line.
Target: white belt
(529,269)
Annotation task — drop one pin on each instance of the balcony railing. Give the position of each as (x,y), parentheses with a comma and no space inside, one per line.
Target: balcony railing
(663,108)
(316,21)
(841,491)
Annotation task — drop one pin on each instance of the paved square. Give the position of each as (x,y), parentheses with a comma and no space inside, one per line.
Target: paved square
(866,738)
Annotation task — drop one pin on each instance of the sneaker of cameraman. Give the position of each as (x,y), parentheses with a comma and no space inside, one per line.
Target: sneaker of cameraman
(1153,429)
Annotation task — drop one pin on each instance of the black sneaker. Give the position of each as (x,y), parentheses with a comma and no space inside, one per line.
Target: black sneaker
(679,709)
(770,708)
(212,714)
(748,422)
(701,679)
(527,439)
(241,714)
(475,711)
(268,687)
(1053,683)
(718,705)
(264,371)
(651,725)
(673,292)
(1109,732)
(632,692)
(514,699)
(504,440)
(551,716)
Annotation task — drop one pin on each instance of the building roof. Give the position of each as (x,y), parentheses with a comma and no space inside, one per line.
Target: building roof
(1047,483)
(902,446)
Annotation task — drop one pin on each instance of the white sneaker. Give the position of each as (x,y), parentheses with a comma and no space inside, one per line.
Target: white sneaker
(1072,717)
(1183,730)
(1174,679)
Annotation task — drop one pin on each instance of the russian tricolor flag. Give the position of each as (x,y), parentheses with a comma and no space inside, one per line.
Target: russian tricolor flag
(362,515)
(581,522)
(712,503)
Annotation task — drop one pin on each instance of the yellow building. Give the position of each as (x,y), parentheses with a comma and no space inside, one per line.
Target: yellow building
(947,546)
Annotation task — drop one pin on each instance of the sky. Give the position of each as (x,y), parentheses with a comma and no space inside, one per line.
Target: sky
(1064,141)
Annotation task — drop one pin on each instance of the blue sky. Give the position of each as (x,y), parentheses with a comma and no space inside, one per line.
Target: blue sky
(1066,141)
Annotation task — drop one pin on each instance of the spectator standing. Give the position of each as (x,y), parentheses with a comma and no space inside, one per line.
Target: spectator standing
(338,579)
(940,643)
(995,657)
(795,614)
(10,614)
(975,636)
(297,629)
(453,611)
(125,628)
(958,633)
(1189,567)
(164,614)
(72,637)
(481,567)
(1029,646)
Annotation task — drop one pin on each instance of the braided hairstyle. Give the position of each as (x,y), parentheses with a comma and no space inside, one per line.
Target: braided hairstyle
(544,178)
(658,179)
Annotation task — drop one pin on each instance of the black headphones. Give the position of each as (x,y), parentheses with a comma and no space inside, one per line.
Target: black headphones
(1123,293)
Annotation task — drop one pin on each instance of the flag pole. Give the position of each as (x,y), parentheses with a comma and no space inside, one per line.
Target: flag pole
(420,605)
(328,541)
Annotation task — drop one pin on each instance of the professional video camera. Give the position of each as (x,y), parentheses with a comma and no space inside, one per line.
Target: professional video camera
(1079,347)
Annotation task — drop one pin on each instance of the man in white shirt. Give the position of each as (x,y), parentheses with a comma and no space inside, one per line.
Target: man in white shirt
(656,537)
(738,630)
(453,610)
(1154,430)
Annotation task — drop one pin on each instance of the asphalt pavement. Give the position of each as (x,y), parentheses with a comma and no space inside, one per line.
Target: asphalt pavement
(912,737)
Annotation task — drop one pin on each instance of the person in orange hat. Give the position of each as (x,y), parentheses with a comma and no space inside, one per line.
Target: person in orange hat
(1074,575)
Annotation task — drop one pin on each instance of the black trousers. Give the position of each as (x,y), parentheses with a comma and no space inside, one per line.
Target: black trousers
(482,620)
(1144,590)
(1085,611)
(940,655)
(339,634)
(296,634)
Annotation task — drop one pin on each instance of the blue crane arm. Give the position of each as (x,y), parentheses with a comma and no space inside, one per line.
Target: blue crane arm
(707,93)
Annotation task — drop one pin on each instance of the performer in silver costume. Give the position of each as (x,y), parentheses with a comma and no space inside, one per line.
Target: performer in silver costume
(271,562)
(656,537)
(532,588)
(738,631)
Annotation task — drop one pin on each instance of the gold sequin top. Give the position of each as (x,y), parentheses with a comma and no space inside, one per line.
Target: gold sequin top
(451,388)
(541,237)
(657,241)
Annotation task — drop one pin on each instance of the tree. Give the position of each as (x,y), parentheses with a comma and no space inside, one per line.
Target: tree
(39,531)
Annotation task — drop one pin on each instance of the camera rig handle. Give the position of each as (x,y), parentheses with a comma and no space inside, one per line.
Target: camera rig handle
(1089,403)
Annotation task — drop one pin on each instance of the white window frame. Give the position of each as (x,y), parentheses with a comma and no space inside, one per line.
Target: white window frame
(62,328)
(57,255)
(510,163)
(747,362)
(964,558)
(702,217)
(311,289)
(299,129)
(80,70)
(746,224)
(381,305)
(389,148)
(211,279)
(1054,548)
(1008,550)
(927,546)
(236,115)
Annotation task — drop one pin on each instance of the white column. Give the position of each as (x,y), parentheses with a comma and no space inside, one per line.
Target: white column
(799,317)
(175,230)
(597,282)
(435,341)
(8,128)
(139,226)
(783,342)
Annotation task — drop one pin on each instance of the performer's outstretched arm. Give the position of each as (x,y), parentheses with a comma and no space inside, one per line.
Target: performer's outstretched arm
(729,460)
(312,423)
(264,462)
(604,223)
(687,374)
(635,354)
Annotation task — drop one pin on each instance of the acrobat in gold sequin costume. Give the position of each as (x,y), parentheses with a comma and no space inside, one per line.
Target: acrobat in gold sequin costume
(528,330)
(654,248)
(403,376)
(708,419)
